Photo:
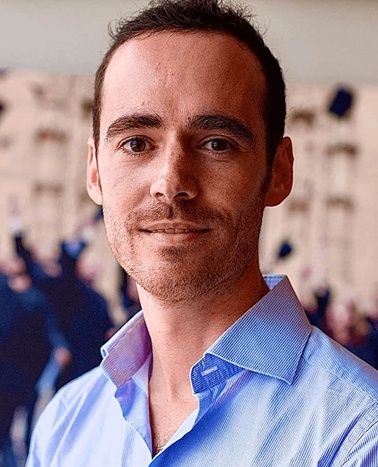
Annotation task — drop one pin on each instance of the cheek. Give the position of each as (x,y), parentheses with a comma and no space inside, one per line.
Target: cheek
(238,191)
(122,187)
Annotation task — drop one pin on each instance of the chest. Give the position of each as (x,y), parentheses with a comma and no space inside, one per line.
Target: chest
(261,423)
(166,417)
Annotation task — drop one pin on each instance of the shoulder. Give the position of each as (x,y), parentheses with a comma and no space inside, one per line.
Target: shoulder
(76,401)
(342,396)
(85,390)
(87,402)
(327,358)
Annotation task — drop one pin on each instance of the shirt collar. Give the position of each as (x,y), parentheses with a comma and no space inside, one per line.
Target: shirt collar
(125,353)
(269,338)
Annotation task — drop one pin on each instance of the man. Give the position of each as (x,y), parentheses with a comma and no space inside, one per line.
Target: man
(217,370)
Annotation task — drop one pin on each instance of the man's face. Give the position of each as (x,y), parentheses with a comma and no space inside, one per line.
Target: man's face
(182,164)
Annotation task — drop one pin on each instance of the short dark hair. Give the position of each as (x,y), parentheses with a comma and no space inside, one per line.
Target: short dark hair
(202,15)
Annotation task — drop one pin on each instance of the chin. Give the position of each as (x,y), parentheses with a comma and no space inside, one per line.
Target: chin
(175,284)
(173,291)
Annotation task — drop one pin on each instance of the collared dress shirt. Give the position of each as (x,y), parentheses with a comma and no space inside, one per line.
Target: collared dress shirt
(272,392)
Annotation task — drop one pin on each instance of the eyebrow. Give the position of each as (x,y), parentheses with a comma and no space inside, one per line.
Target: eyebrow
(212,121)
(222,122)
(133,121)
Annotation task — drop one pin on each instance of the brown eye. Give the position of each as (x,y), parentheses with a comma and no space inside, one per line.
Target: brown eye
(135,145)
(218,145)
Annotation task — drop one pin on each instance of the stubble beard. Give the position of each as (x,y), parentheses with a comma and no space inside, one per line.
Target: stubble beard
(180,273)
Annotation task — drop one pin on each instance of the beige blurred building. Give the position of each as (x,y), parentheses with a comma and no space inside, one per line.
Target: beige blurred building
(44,126)
(330,218)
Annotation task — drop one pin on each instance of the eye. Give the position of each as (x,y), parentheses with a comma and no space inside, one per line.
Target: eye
(135,144)
(218,145)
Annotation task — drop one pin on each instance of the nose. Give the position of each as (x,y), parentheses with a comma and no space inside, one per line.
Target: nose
(175,178)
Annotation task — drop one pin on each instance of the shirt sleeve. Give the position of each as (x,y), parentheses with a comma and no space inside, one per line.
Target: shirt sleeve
(365,452)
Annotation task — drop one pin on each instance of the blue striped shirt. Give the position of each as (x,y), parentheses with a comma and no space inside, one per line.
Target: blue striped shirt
(272,391)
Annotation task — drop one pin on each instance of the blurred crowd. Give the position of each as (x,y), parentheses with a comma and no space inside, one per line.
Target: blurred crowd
(342,318)
(53,323)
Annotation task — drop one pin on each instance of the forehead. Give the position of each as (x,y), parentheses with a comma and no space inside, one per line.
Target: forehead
(184,71)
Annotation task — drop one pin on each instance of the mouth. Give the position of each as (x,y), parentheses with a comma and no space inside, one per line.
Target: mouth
(174,234)
(175,231)
(174,228)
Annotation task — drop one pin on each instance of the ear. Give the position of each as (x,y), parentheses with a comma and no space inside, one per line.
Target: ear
(93,177)
(281,180)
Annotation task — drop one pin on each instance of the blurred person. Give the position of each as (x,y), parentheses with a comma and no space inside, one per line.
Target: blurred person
(11,315)
(42,266)
(316,308)
(84,317)
(373,310)
(222,366)
(315,298)
(129,295)
(350,328)
(32,335)
(89,271)
(82,313)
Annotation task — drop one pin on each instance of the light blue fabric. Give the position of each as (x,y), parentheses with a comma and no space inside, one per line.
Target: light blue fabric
(272,391)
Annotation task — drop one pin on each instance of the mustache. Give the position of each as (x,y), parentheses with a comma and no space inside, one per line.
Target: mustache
(179,211)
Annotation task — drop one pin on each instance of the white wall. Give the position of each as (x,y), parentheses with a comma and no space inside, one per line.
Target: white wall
(318,41)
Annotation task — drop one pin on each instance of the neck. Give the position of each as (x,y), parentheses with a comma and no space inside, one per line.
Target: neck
(181,332)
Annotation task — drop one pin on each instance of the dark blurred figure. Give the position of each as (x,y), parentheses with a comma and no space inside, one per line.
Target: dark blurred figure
(82,313)
(373,310)
(29,336)
(129,295)
(316,312)
(11,392)
(316,298)
(350,328)
(83,317)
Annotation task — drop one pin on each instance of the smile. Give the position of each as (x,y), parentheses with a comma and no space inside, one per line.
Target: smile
(174,228)
(176,231)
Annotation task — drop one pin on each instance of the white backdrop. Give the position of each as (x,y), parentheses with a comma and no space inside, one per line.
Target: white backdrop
(318,41)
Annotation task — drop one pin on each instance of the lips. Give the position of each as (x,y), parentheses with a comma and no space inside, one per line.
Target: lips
(174,228)
(176,231)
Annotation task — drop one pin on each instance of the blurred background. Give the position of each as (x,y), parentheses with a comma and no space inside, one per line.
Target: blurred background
(324,236)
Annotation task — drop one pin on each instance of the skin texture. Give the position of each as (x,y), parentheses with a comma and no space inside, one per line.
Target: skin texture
(177,179)
(182,175)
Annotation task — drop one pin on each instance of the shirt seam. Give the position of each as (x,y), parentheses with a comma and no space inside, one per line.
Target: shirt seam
(340,378)
(364,432)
